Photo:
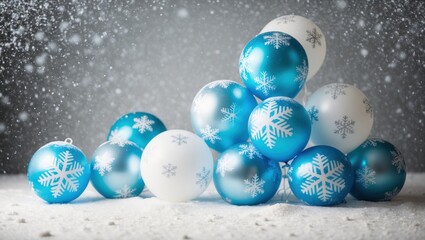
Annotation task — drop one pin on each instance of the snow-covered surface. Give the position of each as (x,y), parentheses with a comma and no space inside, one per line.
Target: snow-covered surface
(24,216)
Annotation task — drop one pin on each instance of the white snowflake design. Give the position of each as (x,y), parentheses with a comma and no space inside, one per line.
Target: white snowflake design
(391,194)
(244,66)
(225,164)
(313,112)
(250,151)
(302,72)
(366,176)
(169,170)
(220,83)
(254,186)
(62,175)
(116,138)
(398,161)
(314,37)
(336,90)
(143,124)
(270,122)
(344,127)
(285,19)
(179,139)
(265,83)
(198,102)
(103,163)
(323,177)
(202,178)
(373,142)
(210,134)
(125,192)
(368,107)
(277,40)
(230,114)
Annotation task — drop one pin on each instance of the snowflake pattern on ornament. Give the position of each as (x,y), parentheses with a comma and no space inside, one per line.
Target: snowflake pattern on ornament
(143,124)
(244,66)
(179,139)
(62,175)
(335,90)
(226,164)
(285,19)
(366,176)
(368,107)
(277,40)
(220,83)
(314,37)
(210,134)
(344,127)
(373,142)
(230,114)
(250,151)
(302,72)
(198,102)
(265,83)
(313,112)
(116,138)
(398,161)
(391,194)
(103,163)
(202,178)
(125,192)
(169,170)
(254,186)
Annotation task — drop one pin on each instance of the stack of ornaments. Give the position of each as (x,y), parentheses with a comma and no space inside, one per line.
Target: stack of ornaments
(253,139)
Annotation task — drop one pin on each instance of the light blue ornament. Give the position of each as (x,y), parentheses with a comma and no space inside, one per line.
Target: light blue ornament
(115,169)
(320,176)
(279,128)
(380,170)
(220,113)
(59,172)
(243,176)
(273,64)
(137,127)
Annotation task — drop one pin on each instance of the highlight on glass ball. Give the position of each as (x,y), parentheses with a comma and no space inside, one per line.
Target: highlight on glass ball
(177,166)
(273,64)
(279,128)
(320,176)
(341,115)
(115,167)
(137,127)
(307,33)
(380,170)
(243,176)
(58,172)
(220,112)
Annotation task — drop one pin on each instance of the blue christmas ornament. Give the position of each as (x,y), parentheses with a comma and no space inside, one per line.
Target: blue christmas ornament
(59,172)
(220,113)
(137,127)
(273,64)
(320,176)
(243,176)
(115,169)
(380,171)
(279,128)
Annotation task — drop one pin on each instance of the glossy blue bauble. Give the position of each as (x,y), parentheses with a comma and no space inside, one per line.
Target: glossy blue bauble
(320,176)
(58,172)
(380,170)
(280,128)
(220,113)
(273,64)
(137,127)
(115,169)
(243,176)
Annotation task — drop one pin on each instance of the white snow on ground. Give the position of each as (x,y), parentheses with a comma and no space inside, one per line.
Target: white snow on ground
(24,216)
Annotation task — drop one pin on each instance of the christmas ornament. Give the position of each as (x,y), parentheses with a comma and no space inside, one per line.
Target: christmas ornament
(341,116)
(320,176)
(115,167)
(137,127)
(58,172)
(243,176)
(177,166)
(307,34)
(220,113)
(273,64)
(279,128)
(380,171)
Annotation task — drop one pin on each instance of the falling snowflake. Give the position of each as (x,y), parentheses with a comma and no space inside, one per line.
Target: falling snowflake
(169,170)
(250,151)
(277,39)
(225,164)
(368,107)
(366,176)
(117,139)
(285,19)
(103,163)
(220,83)
(373,142)
(198,102)
(391,194)
(143,124)
(230,114)
(302,72)
(202,178)
(323,177)
(62,175)
(314,37)
(313,112)
(254,186)
(244,66)
(398,161)
(344,126)
(125,192)
(210,134)
(265,83)
(270,122)
(179,139)
(335,90)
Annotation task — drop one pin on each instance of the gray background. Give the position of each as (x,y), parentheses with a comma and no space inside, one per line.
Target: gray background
(71,68)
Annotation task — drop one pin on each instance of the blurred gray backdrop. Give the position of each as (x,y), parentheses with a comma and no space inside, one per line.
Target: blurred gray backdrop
(71,68)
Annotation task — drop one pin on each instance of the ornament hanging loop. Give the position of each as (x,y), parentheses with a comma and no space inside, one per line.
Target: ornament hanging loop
(68,140)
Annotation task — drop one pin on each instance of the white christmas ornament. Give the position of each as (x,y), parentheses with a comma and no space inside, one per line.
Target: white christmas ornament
(177,166)
(305,32)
